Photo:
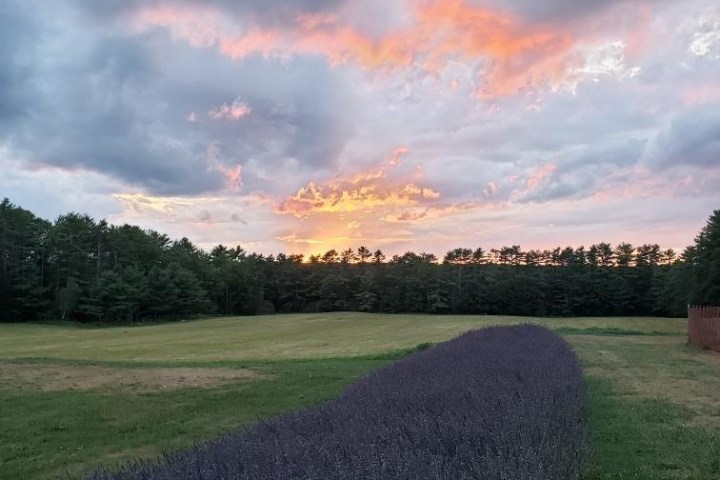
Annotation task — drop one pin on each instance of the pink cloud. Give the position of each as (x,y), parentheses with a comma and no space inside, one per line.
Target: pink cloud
(255,40)
(231,174)
(397,156)
(516,52)
(235,111)
(539,175)
(199,26)
(701,94)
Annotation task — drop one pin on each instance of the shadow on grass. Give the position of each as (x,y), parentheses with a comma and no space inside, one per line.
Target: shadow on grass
(235,363)
(611,331)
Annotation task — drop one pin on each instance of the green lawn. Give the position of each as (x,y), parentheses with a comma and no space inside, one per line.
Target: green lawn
(74,397)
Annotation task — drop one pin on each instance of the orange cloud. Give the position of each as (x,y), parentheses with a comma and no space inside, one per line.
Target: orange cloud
(293,238)
(351,196)
(352,210)
(518,54)
(360,192)
(515,53)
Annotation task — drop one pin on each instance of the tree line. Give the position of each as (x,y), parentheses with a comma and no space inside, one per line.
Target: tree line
(77,268)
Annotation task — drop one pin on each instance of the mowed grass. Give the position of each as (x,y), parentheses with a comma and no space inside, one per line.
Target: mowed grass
(654,402)
(46,434)
(277,337)
(654,407)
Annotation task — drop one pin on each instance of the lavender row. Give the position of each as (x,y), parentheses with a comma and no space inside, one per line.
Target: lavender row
(498,403)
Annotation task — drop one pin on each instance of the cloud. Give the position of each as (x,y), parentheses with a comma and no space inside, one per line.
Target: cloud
(397,156)
(377,189)
(207,220)
(540,174)
(348,197)
(557,11)
(292,238)
(102,100)
(52,191)
(513,53)
(235,111)
(374,122)
(691,138)
(424,214)
(705,40)
(377,206)
(93,113)
(259,11)
(17,86)
(231,174)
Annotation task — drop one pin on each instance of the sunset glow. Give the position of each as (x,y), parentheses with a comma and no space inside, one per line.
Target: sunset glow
(418,125)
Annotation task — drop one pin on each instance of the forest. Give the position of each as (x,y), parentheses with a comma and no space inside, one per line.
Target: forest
(80,269)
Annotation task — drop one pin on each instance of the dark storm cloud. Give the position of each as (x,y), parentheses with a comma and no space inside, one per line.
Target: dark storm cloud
(559,9)
(554,10)
(95,113)
(300,110)
(118,105)
(278,12)
(16,53)
(261,12)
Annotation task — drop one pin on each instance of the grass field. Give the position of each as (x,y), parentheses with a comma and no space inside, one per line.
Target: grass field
(74,397)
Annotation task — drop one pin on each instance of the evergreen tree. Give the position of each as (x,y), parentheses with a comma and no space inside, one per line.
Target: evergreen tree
(81,269)
(705,261)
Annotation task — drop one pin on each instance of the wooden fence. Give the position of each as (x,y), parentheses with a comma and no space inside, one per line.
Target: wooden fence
(704,327)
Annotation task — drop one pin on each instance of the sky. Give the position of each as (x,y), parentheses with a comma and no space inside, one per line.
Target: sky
(424,125)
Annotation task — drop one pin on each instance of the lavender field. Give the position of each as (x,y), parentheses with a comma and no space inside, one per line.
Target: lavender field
(498,403)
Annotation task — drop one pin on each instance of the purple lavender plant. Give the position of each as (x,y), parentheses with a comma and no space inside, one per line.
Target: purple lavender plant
(501,403)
